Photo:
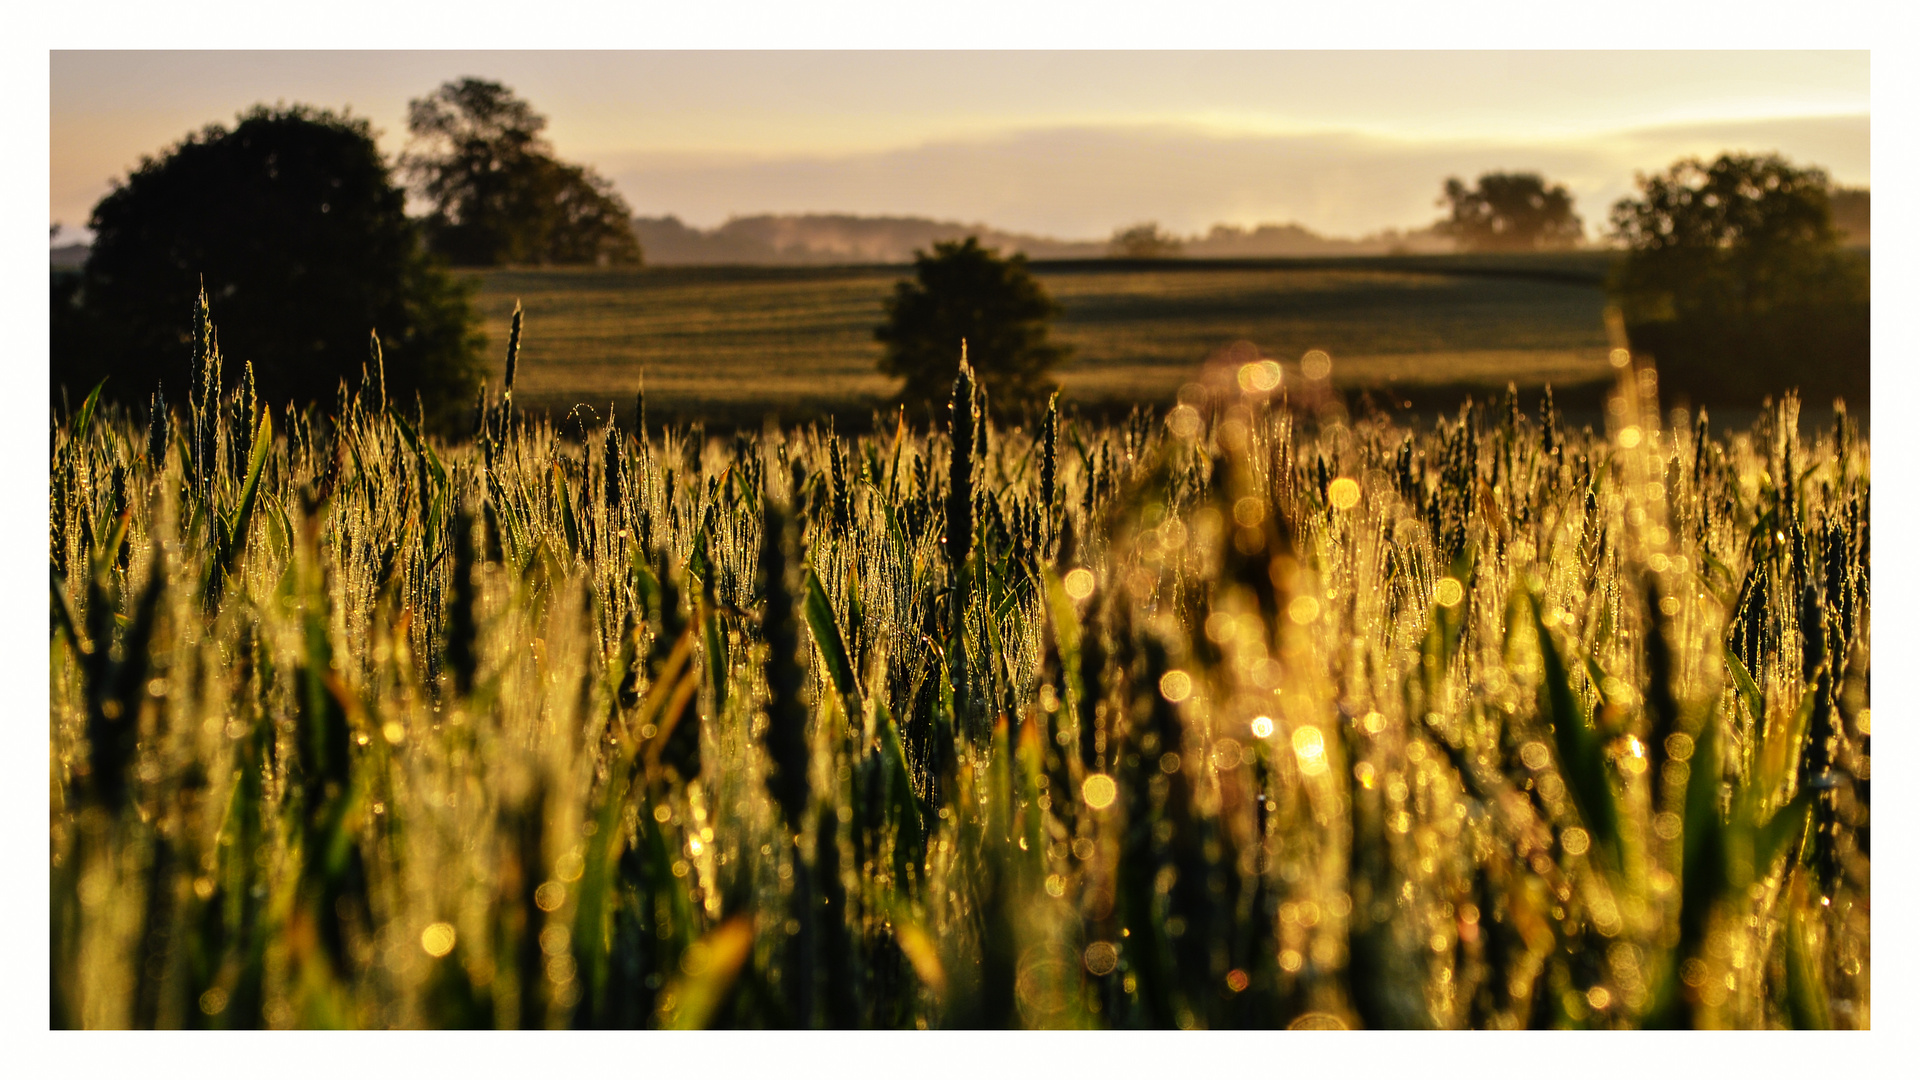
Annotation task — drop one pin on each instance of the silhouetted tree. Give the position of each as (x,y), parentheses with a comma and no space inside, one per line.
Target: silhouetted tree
(1143,241)
(962,291)
(499,195)
(1852,214)
(1509,212)
(293,223)
(1735,281)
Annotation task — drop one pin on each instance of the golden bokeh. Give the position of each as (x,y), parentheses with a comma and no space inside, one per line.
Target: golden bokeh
(1101,958)
(1176,685)
(1099,791)
(1534,755)
(1226,754)
(1184,422)
(1259,377)
(437,939)
(1343,493)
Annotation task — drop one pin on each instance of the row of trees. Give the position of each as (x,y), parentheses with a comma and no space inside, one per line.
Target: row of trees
(1733,277)
(295,226)
(1501,211)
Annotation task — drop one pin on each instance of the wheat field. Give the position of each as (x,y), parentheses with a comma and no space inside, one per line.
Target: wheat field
(1243,712)
(734,344)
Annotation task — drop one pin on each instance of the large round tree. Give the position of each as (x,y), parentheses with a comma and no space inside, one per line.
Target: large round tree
(293,223)
(1734,280)
(500,197)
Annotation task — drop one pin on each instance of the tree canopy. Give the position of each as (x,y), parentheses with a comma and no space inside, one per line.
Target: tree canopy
(1510,212)
(964,292)
(1852,215)
(1734,274)
(499,196)
(291,221)
(1143,241)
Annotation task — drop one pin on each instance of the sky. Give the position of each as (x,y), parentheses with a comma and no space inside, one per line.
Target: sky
(1064,144)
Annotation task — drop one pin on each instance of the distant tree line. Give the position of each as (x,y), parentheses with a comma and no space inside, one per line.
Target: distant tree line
(844,239)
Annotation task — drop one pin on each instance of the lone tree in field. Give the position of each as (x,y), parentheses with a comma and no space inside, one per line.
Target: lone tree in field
(1509,212)
(1735,280)
(293,223)
(962,291)
(499,196)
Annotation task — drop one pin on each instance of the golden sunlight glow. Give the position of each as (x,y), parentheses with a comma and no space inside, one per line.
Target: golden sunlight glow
(1447,592)
(1343,493)
(1079,583)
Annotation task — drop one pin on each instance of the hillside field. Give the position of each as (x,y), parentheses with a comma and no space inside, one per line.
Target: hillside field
(741,342)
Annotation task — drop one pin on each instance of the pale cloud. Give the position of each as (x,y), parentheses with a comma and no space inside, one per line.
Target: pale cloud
(1082,182)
